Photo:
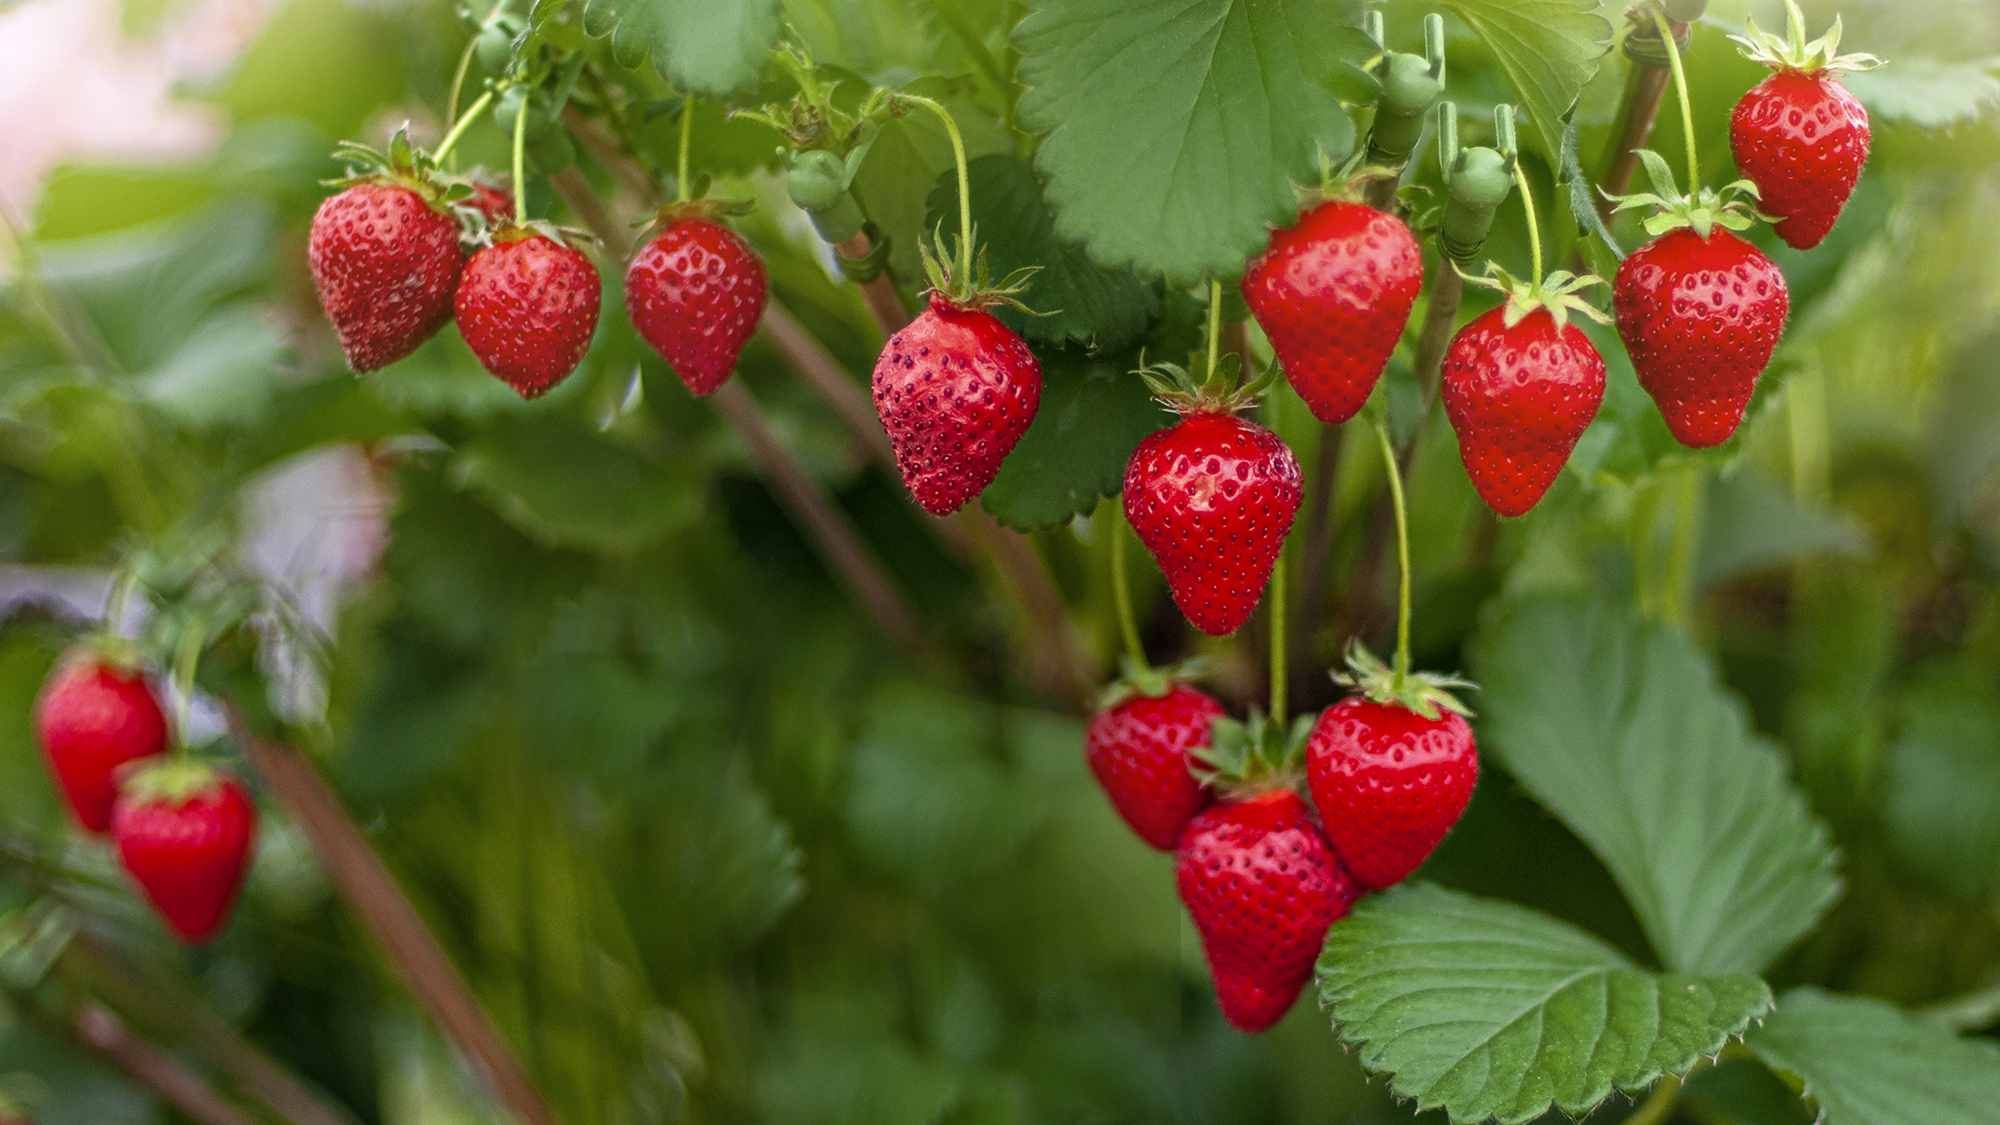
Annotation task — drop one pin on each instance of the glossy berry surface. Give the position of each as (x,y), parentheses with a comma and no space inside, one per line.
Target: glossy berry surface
(527,307)
(92,718)
(956,389)
(1519,398)
(385,266)
(1388,784)
(1802,139)
(1213,498)
(1138,751)
(1700,318)
(1262,887)
(188,854)
(695,293)
(1333,293)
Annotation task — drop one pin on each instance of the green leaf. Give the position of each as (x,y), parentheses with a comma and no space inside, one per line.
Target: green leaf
(1928,93)
(1081,301)
(1618,726)
(704,47)
(1094,413)
(1869,1063)
(1487,1009)
(225,373)
(1941,799)
(893,185)
(1750,523)
(567,486)
(1547,48)
(1177,128)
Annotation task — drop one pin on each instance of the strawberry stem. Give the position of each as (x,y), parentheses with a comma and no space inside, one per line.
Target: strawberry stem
(687,134)
(1214,326)
(520,164)
(1680,559)
(1534,228)
(187,654)
(1278,672)
(458,86)
(964,182)
(462,124)
(114,606)
(1121,592)
(1389,466)
(1681,92)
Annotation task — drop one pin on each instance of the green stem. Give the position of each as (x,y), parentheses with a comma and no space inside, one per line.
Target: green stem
(1680,91)
(1278,672)
(521,165)
(1534,227)
(186,655)
(687,134)
(457,86)
(114,607)
(463,123)
(1390,467)
(1214,326)
(1121,593)
(1680,562)
(964,183)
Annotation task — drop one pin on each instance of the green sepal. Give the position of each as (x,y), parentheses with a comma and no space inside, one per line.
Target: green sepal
(1221,391)
(1793,54)
(172,779)
(1144,680)
(1556,293)
(977,291)
(1426,693)
(1252,755)
(708,209)
(1703,211)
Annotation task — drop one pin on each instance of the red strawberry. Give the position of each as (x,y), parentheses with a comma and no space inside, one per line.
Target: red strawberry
(956,389)
(183,834)
(1138,750)
(385,262)
(696,292)
(1519,396)
(527,307)
(1700,317)
(1388,783)
(1333,293)
(92,718)
(494,202)
(1799,135)
(1263,887)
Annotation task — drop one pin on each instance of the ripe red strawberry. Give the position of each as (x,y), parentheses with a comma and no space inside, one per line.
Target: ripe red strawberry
(1700,317)
(696,292)
(1138,749)
(1799,135)
(1213,499)
(1263,887)
(527,307)
(183,833)
(92,718)
(1333,293)
(1519,396)
(1390,769)
(385,261)
(956,389)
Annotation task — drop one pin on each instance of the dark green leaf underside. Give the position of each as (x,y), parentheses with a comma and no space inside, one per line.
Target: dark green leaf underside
(1869,1063)
(704,47)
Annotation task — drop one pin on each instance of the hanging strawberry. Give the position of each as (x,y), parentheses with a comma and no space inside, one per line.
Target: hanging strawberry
(94,716)
(183,833)
(1141,746)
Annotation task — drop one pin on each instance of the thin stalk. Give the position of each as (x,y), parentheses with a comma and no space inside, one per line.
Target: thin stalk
(187,654)
(154,1069)
(1395,474)
(1681,92)
(1278,640)
(1121,592)
(461,124)
(457,87)
(521,165)
(681,165)
(1214,323)
(1680,560)
(964,183)
(1534,226)
(114,606)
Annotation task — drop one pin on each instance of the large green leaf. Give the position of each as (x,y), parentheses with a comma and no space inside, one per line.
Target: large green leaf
(1928,93)
(704,47)
(1548,49)
(1491,1010)
(1869,1063)
(1751,523)
(1177,128)
(1078,300)
(893,184)
(1094,413)
(1941,799)
(1618,726)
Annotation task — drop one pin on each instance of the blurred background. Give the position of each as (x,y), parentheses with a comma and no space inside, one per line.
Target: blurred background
(705,844)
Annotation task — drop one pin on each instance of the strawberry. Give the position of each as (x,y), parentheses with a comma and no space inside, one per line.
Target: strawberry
(1391,769)
(93,717)
(1333,293)
(1520,386)
(956,389)
(527,306)
(696,292)
(1799,135)
(1138,748)
(1700,317)
(183,833)
(1262,887)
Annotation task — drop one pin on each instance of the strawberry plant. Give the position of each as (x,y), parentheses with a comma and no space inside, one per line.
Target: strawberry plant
(574,562)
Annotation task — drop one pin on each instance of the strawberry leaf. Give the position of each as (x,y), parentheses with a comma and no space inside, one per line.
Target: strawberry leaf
(1177,129)
(567,486)
(1079,301)
(1094,413)
(1487,1009)
(1869,1063)
(1548,49)
(705,47)
(1928,93)
(1618,726)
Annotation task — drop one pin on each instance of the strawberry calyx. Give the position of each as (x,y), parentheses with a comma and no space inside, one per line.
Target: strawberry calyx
(1734,207)
(1153,683)
(539,228)
(1176,388)
(173,781)
(973,289)
(1426,693)
(404,165)
(705,210)
(1557,293)
(1250,756)
(1793,54)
